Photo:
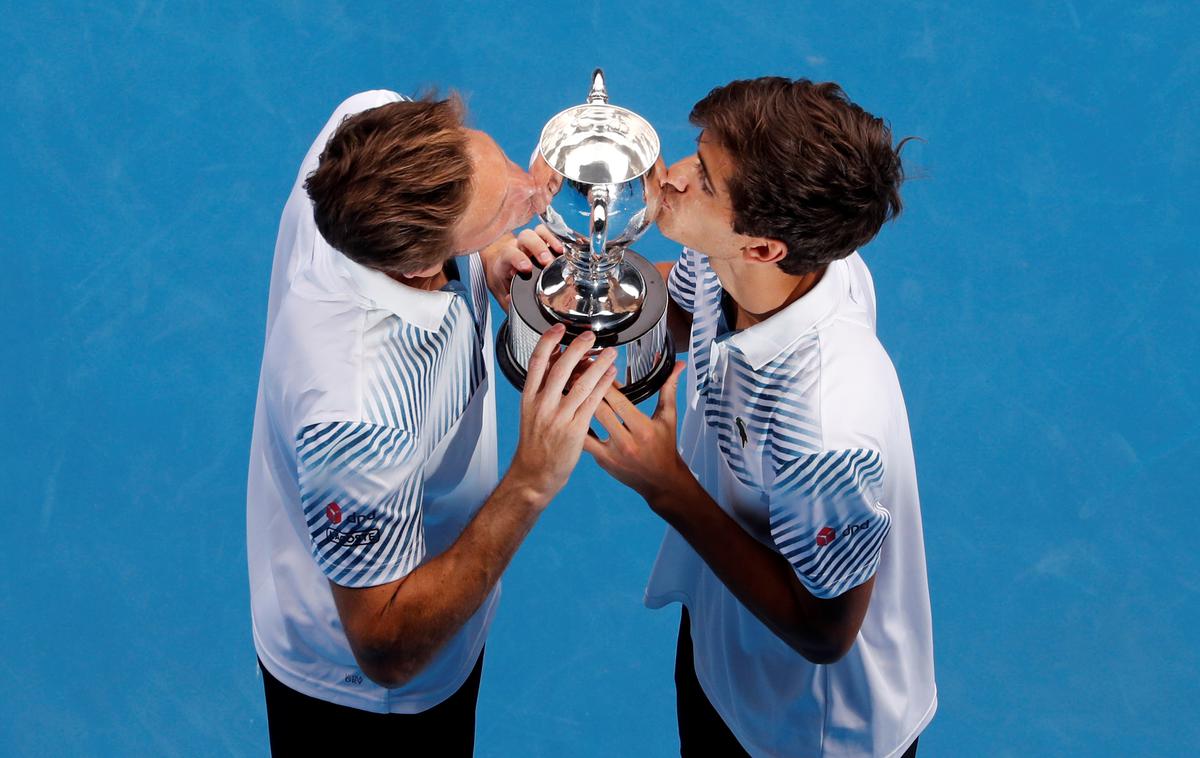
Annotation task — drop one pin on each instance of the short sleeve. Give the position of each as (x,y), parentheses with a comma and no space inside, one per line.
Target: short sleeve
(684,279)
(826,518)
(361,487)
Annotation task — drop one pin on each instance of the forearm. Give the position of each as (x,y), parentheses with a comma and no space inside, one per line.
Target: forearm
(759,577)
(431,604)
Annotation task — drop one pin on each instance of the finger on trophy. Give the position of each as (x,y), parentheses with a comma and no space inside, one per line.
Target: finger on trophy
(589,375)
(568,359)
(585,363)
(535,246)
(540,361)
(551,240)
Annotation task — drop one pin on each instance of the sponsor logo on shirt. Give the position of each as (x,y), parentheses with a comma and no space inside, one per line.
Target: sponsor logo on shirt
(828,534)
(361,537)
(854,528)
(349,539)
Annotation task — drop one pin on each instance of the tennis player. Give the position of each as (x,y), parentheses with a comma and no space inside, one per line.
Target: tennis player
(794,535)
(377,525)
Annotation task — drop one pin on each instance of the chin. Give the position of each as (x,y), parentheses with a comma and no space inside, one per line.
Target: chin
(666,226)
(678,237)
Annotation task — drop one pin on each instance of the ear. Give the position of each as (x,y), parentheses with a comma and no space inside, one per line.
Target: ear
(764,250)
(425,273)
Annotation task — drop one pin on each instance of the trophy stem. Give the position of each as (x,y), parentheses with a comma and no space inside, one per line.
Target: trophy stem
(602,302)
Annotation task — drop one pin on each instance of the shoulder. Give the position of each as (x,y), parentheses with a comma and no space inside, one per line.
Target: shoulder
(858,391)
(350,106)
(364,101)
(692,282)
(312,361)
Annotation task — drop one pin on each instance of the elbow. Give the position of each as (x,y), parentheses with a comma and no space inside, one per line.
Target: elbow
(390,674)
(387,664)
(387,679)
(386,676)
(823,656)
(826,650)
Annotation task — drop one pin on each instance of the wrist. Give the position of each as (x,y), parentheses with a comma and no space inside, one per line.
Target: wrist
(668,491)
(525,490)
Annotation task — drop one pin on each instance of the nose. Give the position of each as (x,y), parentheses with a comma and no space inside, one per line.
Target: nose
(679,176)
(520,179)
(524,195)
(532,188)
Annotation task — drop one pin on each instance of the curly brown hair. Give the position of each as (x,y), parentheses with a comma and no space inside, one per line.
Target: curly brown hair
(812,169)
(392,182)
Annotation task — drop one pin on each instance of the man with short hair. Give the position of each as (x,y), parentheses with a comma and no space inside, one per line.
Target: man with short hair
(377,527)
(794,528)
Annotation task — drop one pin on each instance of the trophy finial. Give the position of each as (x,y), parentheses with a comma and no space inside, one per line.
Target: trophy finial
(598,93)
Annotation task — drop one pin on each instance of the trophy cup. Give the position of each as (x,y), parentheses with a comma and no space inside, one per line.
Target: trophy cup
(601,166)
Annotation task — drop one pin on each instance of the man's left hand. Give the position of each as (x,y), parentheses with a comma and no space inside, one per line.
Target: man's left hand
(640,451)
(511,255)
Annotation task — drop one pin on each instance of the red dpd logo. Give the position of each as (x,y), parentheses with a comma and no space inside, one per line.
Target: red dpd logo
(333,512)
(825,536)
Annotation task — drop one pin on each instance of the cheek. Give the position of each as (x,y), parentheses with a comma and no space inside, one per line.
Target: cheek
(699,219)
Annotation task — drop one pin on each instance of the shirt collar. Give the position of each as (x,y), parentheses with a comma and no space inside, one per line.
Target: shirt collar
(766,340)
(421,308)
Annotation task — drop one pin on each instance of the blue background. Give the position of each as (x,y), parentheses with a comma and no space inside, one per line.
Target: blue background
(1038,297)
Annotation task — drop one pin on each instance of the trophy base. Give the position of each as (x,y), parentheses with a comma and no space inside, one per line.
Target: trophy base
(645,352)
(636,392)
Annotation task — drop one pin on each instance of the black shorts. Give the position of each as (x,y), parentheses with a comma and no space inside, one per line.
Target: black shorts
(302,725)
(702,732)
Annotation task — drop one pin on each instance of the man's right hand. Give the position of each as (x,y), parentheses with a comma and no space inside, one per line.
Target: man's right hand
(554,424)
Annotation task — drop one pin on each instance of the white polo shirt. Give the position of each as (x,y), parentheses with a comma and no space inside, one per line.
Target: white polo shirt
(374,445)
(796,427)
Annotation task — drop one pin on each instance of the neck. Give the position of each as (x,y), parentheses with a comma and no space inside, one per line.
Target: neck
(761,294)
(428,283)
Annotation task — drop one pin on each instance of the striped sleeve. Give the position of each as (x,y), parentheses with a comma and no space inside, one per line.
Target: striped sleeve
(684,278)
(826,518)
(361,487)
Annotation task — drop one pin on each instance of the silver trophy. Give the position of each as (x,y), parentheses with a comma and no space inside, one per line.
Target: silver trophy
(601,166)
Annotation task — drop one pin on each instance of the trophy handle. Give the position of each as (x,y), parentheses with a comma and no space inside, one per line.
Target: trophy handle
(598,228)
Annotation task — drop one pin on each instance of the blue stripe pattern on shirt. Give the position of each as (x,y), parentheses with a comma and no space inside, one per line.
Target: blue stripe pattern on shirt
(826,520)
(360,488)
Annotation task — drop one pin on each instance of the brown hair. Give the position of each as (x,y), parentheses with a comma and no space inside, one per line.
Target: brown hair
(392,182)
(812,169)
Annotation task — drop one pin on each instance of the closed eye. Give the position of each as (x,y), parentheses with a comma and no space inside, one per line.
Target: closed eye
(704,183)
